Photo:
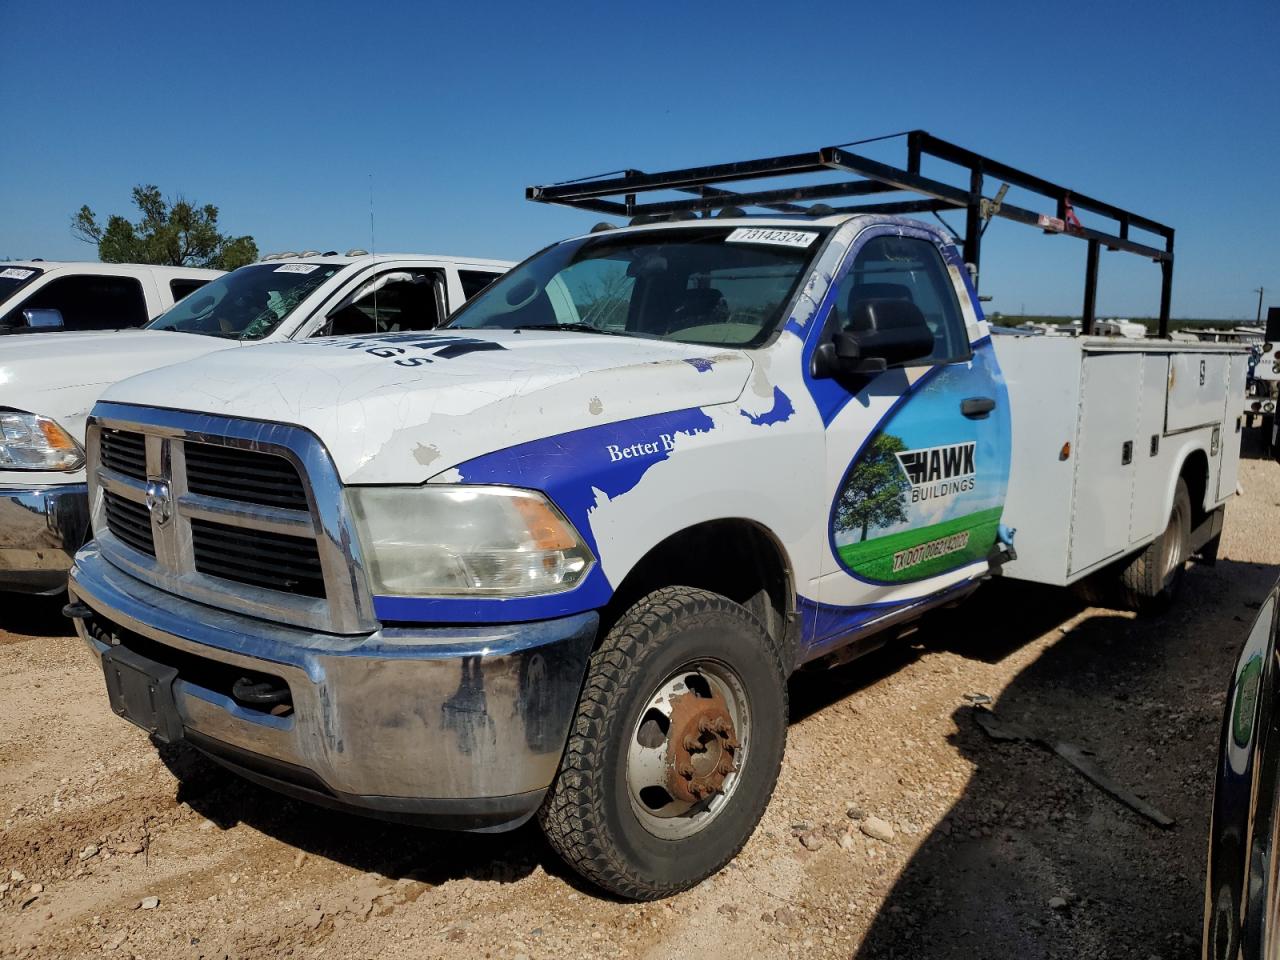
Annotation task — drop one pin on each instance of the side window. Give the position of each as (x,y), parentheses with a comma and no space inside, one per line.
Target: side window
(391,302)
(473,281)
(181,287)
(88,302)
(905,268)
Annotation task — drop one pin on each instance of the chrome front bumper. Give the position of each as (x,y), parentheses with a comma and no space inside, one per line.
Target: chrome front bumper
(455,727)
(41,528)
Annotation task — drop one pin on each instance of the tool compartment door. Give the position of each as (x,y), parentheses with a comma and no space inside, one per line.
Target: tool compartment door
(1197,385)
(1106,448)
(1149,514)
(1233,425)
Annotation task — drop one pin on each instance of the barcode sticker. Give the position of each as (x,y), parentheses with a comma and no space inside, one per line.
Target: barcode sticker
(777,238)
(15,273)
(297,268)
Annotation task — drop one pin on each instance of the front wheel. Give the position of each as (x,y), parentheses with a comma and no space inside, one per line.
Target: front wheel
(675,747)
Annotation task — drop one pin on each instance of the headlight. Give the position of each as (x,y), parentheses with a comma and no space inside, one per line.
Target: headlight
(31,442)
(466,541)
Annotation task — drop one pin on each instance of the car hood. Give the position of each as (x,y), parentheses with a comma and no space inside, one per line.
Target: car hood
(403,408)
(60,376)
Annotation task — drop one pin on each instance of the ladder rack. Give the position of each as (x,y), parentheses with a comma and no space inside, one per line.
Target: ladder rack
(616,195)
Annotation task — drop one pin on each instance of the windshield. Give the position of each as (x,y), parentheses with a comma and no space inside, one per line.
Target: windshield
(712,285)
(248,303)
(11,278)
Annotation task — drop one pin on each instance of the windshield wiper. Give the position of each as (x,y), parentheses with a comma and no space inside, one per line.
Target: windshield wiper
(575,327)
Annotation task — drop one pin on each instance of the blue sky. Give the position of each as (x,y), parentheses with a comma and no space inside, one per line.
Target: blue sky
(279,114)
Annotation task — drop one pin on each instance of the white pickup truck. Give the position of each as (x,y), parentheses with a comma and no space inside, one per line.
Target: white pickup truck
(560,557)
(41,296)
(49,384)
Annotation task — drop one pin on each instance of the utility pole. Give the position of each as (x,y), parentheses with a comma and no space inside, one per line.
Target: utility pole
(1259,292)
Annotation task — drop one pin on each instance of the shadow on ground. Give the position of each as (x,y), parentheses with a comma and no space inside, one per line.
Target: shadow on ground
(29,616)
(393,850)
(1143,697)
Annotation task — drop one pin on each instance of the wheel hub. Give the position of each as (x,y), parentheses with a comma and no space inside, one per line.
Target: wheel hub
(701,746)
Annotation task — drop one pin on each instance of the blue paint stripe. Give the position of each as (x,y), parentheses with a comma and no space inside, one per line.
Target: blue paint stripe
(591,595)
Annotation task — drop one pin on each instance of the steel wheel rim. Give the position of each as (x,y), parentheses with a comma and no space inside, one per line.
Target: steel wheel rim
(647,760)
(1173,552)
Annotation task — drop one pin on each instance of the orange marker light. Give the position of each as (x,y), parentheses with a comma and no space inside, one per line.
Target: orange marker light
(546,529)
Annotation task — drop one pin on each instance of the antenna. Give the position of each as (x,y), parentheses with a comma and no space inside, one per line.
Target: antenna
(373,250)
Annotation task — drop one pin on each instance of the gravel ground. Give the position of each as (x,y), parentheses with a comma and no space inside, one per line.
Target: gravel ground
(899,829)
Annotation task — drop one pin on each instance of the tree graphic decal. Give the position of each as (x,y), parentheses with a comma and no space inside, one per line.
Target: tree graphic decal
(875,491)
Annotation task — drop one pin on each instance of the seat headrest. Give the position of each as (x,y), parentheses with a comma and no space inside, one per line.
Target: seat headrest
(875,291)
(869,315)
(702,300)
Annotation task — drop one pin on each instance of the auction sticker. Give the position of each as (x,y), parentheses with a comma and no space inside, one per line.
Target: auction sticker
(297,268)
(15,273)
(777,238)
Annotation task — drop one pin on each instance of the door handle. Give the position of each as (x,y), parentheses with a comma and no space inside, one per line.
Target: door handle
(977,408)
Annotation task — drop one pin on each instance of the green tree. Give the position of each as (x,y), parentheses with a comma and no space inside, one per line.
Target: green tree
(876,489)
(177,233)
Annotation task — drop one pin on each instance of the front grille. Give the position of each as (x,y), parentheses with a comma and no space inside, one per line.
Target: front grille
(255,522)
(129,522)
(256,557)
(233,473)
(125,452)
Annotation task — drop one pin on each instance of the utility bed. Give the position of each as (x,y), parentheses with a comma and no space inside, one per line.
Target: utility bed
(1102,430)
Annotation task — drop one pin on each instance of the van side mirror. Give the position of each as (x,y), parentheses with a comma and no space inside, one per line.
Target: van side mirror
(883,333)
(43,318)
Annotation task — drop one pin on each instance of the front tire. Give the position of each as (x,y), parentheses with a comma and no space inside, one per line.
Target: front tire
(675,747)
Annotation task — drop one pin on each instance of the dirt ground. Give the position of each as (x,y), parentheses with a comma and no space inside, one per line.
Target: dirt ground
(999,849)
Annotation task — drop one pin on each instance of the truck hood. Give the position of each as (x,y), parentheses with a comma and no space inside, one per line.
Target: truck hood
(61,375)
(403,408)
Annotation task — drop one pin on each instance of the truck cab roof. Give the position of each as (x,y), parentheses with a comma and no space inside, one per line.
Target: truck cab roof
(94,266)
(372,258)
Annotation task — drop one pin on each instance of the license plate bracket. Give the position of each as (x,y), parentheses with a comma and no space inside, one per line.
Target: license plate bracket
(141,691)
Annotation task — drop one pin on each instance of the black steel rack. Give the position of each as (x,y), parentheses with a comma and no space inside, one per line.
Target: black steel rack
(615,194)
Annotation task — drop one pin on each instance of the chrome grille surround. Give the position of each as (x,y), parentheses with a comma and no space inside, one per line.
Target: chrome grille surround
(346,608)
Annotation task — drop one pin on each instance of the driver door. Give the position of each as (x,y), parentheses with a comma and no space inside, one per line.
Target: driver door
(917,457)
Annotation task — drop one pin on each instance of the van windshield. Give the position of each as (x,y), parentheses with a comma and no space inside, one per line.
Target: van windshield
(711,285)
(246,304)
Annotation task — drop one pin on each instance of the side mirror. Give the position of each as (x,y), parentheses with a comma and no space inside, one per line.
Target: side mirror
(43,318)
(884,333)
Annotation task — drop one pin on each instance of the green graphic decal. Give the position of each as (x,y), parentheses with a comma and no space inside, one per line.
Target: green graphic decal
(925,551)
(926,492)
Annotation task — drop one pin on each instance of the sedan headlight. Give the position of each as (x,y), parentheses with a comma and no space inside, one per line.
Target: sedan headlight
(437,540)
(31,442)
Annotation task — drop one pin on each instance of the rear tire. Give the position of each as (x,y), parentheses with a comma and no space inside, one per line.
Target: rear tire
(673,644)
(1153,579)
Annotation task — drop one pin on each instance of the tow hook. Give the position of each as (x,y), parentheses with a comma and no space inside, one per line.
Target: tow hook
(77,611)
(265,694)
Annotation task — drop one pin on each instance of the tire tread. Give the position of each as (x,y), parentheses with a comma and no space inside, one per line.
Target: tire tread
(572,817)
